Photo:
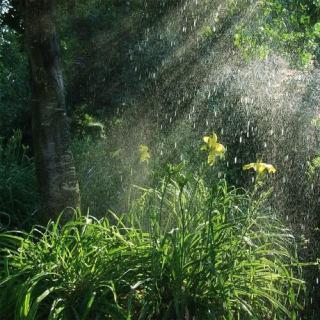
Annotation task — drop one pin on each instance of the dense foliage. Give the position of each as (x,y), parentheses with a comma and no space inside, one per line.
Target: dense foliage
(185,249)
(292,27)
(14,82)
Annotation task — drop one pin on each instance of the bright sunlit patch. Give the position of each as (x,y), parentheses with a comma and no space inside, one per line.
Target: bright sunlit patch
(260,167)
(144,153)
(214,148)
(4,6)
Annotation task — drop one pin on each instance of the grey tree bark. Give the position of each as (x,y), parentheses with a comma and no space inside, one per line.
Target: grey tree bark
(55,167)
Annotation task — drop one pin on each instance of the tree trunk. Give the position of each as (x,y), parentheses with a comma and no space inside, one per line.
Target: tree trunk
(56,173)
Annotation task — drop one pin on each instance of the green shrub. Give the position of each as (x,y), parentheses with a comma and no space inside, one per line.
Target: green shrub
(185,250)
(18,190)
(219,255)
(83,125)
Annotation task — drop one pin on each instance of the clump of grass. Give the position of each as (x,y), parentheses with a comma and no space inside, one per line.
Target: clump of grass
(219,254)
(79,271)
(186,249)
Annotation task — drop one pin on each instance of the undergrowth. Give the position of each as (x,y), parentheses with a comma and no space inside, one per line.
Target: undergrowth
(187,249)
(18,191)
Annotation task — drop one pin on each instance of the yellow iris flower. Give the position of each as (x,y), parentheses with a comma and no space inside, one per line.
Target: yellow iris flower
(260,167)
(144,153)
(214,148)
